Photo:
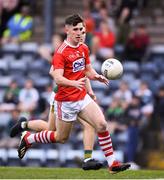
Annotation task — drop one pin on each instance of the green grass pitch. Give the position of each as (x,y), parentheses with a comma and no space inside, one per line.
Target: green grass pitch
(74,173)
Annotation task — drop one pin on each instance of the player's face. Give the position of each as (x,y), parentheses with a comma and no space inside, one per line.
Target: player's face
(83,35)
(74,33)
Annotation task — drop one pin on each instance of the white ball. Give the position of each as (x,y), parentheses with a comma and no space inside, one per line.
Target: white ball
(112,69)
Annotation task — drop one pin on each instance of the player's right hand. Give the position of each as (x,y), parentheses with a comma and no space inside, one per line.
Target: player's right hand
(80,83)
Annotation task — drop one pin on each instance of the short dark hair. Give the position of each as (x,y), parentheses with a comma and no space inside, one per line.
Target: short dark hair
(73,20)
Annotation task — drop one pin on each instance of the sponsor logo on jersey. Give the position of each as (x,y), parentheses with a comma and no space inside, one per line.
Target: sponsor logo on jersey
(79,65)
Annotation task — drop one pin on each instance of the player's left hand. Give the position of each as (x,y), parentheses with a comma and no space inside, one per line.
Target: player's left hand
(102,79)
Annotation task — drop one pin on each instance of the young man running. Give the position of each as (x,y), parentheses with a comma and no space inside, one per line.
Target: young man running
(71,67)
(88,131)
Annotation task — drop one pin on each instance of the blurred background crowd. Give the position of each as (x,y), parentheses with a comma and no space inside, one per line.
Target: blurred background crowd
(129,30)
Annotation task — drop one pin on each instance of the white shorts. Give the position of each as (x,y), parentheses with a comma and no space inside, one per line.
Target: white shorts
(52,99)
(68,110)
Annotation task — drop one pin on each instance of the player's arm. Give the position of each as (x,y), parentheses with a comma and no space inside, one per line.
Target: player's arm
(90,90)
(93,75)
(57,75)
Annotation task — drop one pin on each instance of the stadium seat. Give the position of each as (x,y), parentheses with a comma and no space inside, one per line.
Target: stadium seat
(35,157)
(17,68)
(149,78)
(5,81)
(3,156)
(29,48)
(161,67)
(42,82)
(118,51)
(131,67)
(134,85)
(12,49)
(154,86)
(149,68)
(37,65)
(2,93)
(27,58)
(3,67)
(128,77)
(157,49)
(105,101)
(114,85)
(52,158)
(73,158)
(12,157)
(4,118)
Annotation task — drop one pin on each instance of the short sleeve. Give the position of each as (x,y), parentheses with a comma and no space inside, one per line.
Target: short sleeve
(58,61)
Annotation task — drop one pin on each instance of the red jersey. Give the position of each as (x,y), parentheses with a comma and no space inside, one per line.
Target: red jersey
(73,60)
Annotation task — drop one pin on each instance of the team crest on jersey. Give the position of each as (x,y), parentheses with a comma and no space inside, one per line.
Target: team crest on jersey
(79,65)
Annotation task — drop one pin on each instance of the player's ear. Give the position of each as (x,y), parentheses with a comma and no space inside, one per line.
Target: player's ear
(66,29)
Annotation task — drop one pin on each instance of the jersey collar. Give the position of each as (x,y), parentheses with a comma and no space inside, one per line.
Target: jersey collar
(71,44)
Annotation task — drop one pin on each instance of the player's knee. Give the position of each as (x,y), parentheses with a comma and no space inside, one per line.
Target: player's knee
(102,126)
(61,140)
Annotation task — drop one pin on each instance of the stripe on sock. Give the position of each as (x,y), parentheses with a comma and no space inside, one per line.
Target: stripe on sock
(106,146)
(43,137)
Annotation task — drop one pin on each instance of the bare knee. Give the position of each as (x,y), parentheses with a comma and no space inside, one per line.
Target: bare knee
(61,139)
(102,126)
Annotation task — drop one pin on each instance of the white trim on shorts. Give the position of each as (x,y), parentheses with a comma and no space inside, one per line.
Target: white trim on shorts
(68,110)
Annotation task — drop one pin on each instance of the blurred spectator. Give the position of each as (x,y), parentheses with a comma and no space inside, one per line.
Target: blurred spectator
(95,6)
(125,11)
(146,96)
(147,109)
(117,125)
(7,9)
(6,141)
(12,93)
(19,27)
(89,21)
(90,26)
(137,44)
(115,110)
(1,6)
(133,117)
(124,15)
(159,111)
(105,17)
(10,99)
(124,94)
(28,98)
(103,42)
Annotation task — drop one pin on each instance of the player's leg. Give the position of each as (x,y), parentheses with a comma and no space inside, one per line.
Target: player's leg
(35,125)
(58,136)
(93,114)
(23,125)
(64,122)
(88,140)
(52,119)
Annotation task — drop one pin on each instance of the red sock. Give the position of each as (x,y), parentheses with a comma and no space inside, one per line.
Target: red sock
(106,146)
(42,137)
